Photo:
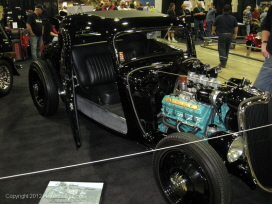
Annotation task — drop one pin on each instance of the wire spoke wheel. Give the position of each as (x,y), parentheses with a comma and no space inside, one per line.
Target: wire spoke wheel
(6,78)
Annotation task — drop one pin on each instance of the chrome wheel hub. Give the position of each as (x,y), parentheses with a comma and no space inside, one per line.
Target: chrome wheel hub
(35,89)
(4,77)
(38,93)
(179,183)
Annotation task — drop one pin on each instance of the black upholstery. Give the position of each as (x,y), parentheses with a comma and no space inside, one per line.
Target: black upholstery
(100,69)
(94,69)
(93,63)
(95,73)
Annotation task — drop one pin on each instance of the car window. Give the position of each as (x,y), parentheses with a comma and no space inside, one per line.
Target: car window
(133,45)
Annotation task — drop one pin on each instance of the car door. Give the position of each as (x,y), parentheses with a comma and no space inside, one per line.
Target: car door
(69,82)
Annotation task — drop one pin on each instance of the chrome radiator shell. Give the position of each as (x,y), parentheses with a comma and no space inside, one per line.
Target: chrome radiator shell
(254,113)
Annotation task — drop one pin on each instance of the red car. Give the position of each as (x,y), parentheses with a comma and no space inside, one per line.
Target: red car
(254,40)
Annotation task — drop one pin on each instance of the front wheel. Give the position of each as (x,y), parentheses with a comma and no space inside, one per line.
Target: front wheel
(251,44)
(190,174)
(42,88)
(6,78)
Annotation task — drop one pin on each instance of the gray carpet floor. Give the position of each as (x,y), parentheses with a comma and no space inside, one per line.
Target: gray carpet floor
(30,142)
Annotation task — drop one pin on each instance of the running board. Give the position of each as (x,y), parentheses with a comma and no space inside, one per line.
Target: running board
(101,115)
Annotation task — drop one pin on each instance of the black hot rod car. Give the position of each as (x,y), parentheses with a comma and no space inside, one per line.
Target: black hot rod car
(117,69)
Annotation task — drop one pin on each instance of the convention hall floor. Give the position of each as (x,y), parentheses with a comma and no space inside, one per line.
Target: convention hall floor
(31,143)
(237,66)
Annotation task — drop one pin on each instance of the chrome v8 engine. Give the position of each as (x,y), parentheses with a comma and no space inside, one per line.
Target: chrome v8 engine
(202,105)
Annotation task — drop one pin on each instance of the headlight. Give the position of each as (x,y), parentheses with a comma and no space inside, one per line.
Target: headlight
(236,149)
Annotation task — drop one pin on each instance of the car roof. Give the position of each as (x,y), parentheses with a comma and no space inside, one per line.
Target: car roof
(124,14)
(111,22)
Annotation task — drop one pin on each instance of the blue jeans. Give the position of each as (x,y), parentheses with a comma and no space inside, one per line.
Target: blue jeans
(198,26)
(247,24)
(264,78)
(224,42)
(35,44)
(209,26)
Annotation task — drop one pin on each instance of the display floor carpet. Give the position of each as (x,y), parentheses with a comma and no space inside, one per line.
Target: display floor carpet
(30,142)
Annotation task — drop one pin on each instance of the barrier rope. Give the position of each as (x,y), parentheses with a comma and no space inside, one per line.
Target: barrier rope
(128,155)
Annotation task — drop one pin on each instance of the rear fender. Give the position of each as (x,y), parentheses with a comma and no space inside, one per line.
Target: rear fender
(56,76)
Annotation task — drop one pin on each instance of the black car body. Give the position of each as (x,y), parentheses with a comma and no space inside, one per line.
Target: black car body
(7,67)
(116,68)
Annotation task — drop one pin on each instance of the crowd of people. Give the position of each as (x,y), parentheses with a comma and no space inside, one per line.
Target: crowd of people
(225,26)
(123,5)
(253,18)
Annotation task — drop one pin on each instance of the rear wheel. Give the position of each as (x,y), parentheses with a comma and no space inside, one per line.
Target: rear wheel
(6,78)
(191,174)
(42,88)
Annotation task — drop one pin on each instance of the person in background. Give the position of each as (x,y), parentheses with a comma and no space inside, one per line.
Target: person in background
(210,18)
(247,18)
(122,6)
(140,7)
(171,12)
(63,11)
(107,6)
(184,13)
(188,4)
(132,6)
(99,7)
(263,15)
(35,28)
(114,3)
(264,78)
(199,17)
(147,7)
(227,29)
(54,33)
(256,15)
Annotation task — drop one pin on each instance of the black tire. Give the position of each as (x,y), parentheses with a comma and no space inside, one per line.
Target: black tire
(191,174)
(56,79)
(6,78)
(42,88)
(251,44)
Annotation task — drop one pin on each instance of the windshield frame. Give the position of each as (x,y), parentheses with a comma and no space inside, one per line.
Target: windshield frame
(190,47)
